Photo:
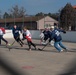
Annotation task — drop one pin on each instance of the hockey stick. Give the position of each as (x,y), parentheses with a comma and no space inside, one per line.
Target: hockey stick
(10,45)
(43,47)
(12,42)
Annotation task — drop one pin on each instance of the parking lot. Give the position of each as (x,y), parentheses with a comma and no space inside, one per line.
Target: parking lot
(35,62)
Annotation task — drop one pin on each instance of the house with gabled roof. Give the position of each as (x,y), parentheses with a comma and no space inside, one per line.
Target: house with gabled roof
(32,23)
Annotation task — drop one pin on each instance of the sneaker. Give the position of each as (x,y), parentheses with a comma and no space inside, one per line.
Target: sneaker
(43,43)
(61,51)
(29,49)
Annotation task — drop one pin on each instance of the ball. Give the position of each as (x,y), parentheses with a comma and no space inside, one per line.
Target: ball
(9,44)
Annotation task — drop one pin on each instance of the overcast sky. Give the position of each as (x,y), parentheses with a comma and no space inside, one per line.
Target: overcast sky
(34,6)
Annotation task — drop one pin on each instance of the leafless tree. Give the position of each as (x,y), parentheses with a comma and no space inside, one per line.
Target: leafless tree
(17,12)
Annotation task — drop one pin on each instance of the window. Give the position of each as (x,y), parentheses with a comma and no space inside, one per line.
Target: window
(47,26)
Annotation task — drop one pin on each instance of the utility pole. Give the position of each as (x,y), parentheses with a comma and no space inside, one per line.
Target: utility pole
(14,20)
(5,21)
(23,21)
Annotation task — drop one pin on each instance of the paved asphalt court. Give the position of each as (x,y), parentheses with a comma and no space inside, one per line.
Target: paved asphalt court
(35,62)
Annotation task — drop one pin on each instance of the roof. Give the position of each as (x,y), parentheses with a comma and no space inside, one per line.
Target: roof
(74,6)
(25,19)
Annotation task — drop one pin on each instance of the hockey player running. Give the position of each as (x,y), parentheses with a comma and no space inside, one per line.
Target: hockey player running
(58,39)
(2,32)
(29,38)
(16,35)
(47,34)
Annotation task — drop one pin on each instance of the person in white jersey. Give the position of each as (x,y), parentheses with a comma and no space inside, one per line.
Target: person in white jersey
(29,38)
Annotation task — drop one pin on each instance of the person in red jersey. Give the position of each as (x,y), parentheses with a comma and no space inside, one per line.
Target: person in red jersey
(29,38)
(2,32)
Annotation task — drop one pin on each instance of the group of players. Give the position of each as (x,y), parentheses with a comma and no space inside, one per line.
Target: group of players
(47,34)
(16,34)
(53,34)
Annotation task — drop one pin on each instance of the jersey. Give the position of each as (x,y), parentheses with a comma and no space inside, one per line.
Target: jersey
(2,31)
(16,32)
(28,35)
(56,35)
(47,34)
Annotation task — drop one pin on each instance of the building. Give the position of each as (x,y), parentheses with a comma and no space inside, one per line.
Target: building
(74,6)
(32,22)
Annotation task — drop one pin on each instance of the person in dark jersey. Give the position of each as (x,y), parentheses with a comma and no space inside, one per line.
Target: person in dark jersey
(16,35)
(58,39)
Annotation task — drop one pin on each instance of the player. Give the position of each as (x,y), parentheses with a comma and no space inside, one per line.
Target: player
(44,36)
(47,35)
(29,38)
(16,35)
(58,39)
(2,32)
(45,32)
